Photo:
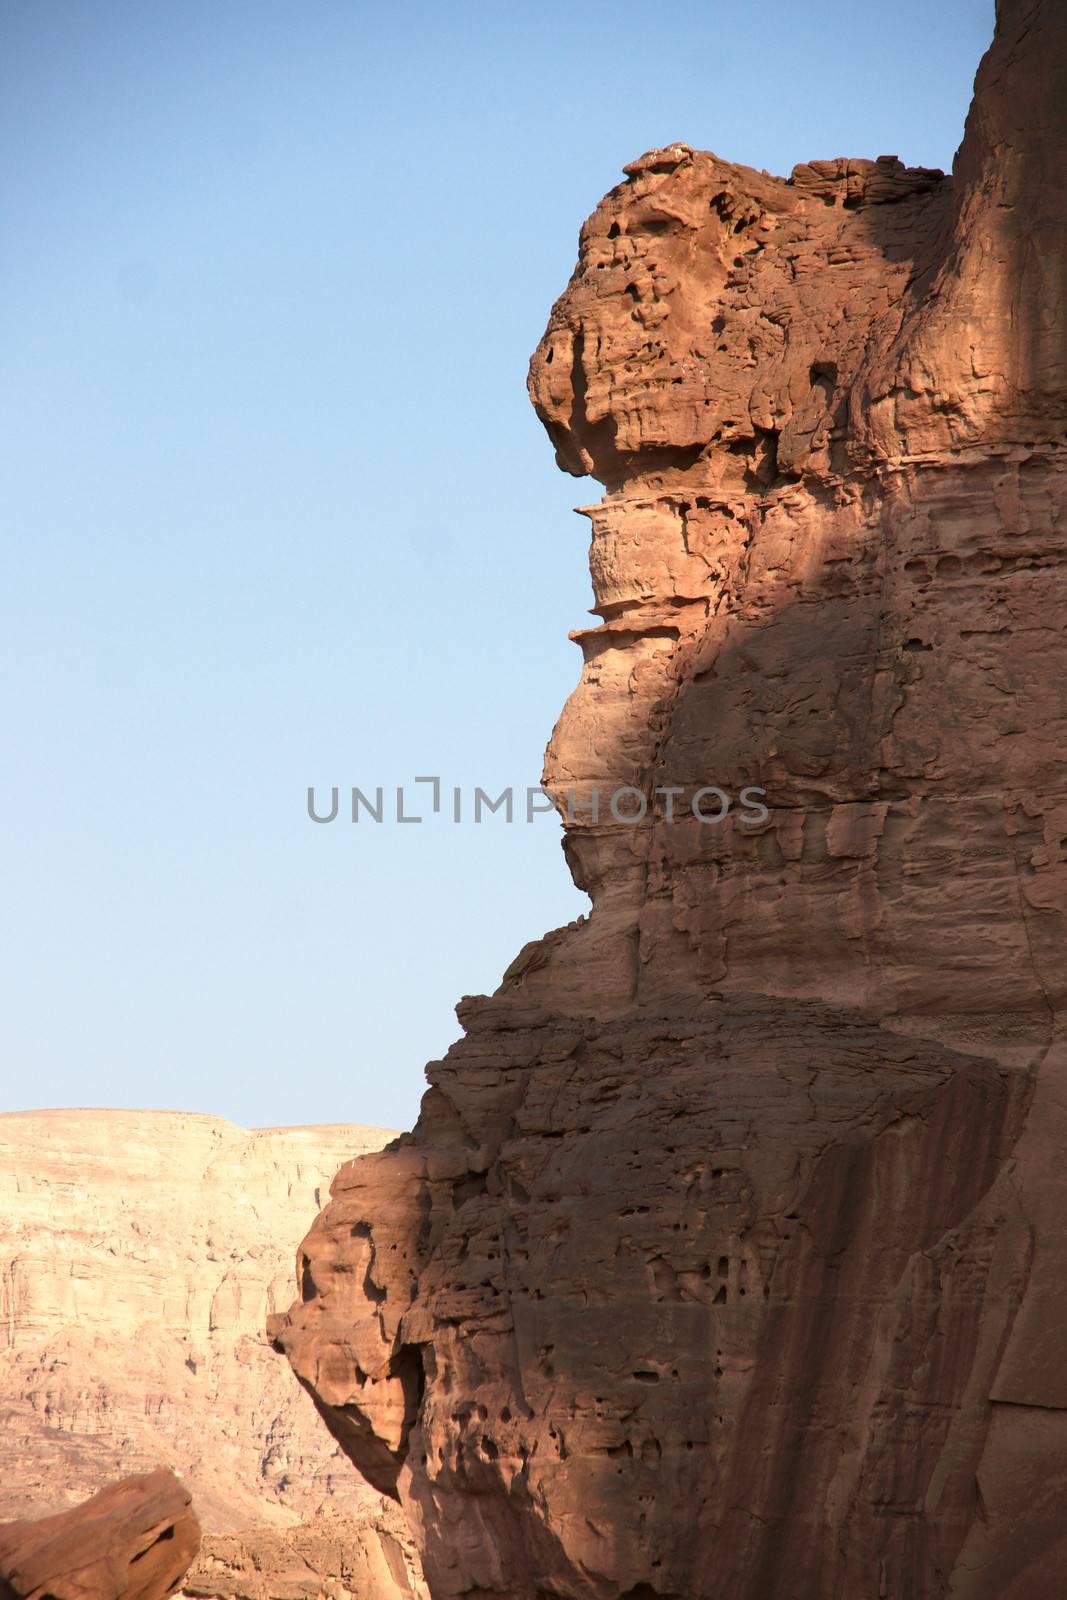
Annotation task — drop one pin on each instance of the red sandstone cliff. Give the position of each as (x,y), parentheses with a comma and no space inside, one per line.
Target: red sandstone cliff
(725,1257)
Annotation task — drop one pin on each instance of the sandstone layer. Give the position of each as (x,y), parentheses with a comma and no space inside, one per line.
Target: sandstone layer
(140,1255)
(334,1555)
(132,1541)
(725,1259)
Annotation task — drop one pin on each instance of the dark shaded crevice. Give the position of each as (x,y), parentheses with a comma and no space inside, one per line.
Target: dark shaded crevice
(374,1291)
(645,1591)
(353,1432)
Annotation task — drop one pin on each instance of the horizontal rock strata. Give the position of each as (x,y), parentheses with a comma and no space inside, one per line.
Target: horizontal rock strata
(725,1259)
(140,1256)
(334,1555)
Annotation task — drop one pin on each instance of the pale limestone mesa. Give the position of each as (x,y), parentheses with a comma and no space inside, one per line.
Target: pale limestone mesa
(726,1258)
(140,1256)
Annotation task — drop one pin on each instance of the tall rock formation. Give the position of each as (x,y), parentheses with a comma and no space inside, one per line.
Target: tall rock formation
(725,1259)
(140,1254)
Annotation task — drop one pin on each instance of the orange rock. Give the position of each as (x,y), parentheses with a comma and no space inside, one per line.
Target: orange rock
(132,1541)
(726,1257)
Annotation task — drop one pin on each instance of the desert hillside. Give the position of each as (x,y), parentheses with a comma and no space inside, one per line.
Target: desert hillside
(140,1255)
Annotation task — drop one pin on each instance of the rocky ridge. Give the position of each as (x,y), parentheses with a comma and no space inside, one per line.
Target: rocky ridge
(724,1259)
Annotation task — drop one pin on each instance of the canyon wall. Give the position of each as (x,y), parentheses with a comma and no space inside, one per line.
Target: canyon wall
(141,1254)
(724,1259)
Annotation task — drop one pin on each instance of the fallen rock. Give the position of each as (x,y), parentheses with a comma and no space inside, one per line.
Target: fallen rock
(132,1541)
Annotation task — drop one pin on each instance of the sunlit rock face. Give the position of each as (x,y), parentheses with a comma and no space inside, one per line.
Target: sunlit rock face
(725,1259)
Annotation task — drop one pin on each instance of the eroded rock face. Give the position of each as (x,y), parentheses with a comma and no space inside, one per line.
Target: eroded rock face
(132,1541)
(140,1255)
(725,1259)
(334,1555)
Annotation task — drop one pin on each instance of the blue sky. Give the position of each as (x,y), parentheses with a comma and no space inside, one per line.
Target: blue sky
(276,510)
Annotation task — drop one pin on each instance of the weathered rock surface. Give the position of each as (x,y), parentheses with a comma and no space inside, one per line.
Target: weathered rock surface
(363,1555)
(132,1541)
(726,1257)
(140,1255)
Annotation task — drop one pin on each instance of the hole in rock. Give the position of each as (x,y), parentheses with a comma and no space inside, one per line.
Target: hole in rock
(168,1533)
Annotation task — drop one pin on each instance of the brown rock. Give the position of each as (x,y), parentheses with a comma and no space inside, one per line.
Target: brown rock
(367,1554)
(132,1541)
(725,1259)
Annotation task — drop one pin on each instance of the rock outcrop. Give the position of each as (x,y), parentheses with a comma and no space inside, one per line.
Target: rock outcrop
(334,1555)
(725,1259)
(140,1255)
(132,1541)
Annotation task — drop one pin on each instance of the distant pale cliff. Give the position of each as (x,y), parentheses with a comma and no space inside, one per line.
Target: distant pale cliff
(140,1254)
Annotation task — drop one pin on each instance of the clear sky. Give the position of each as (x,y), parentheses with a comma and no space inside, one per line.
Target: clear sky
(276,510)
